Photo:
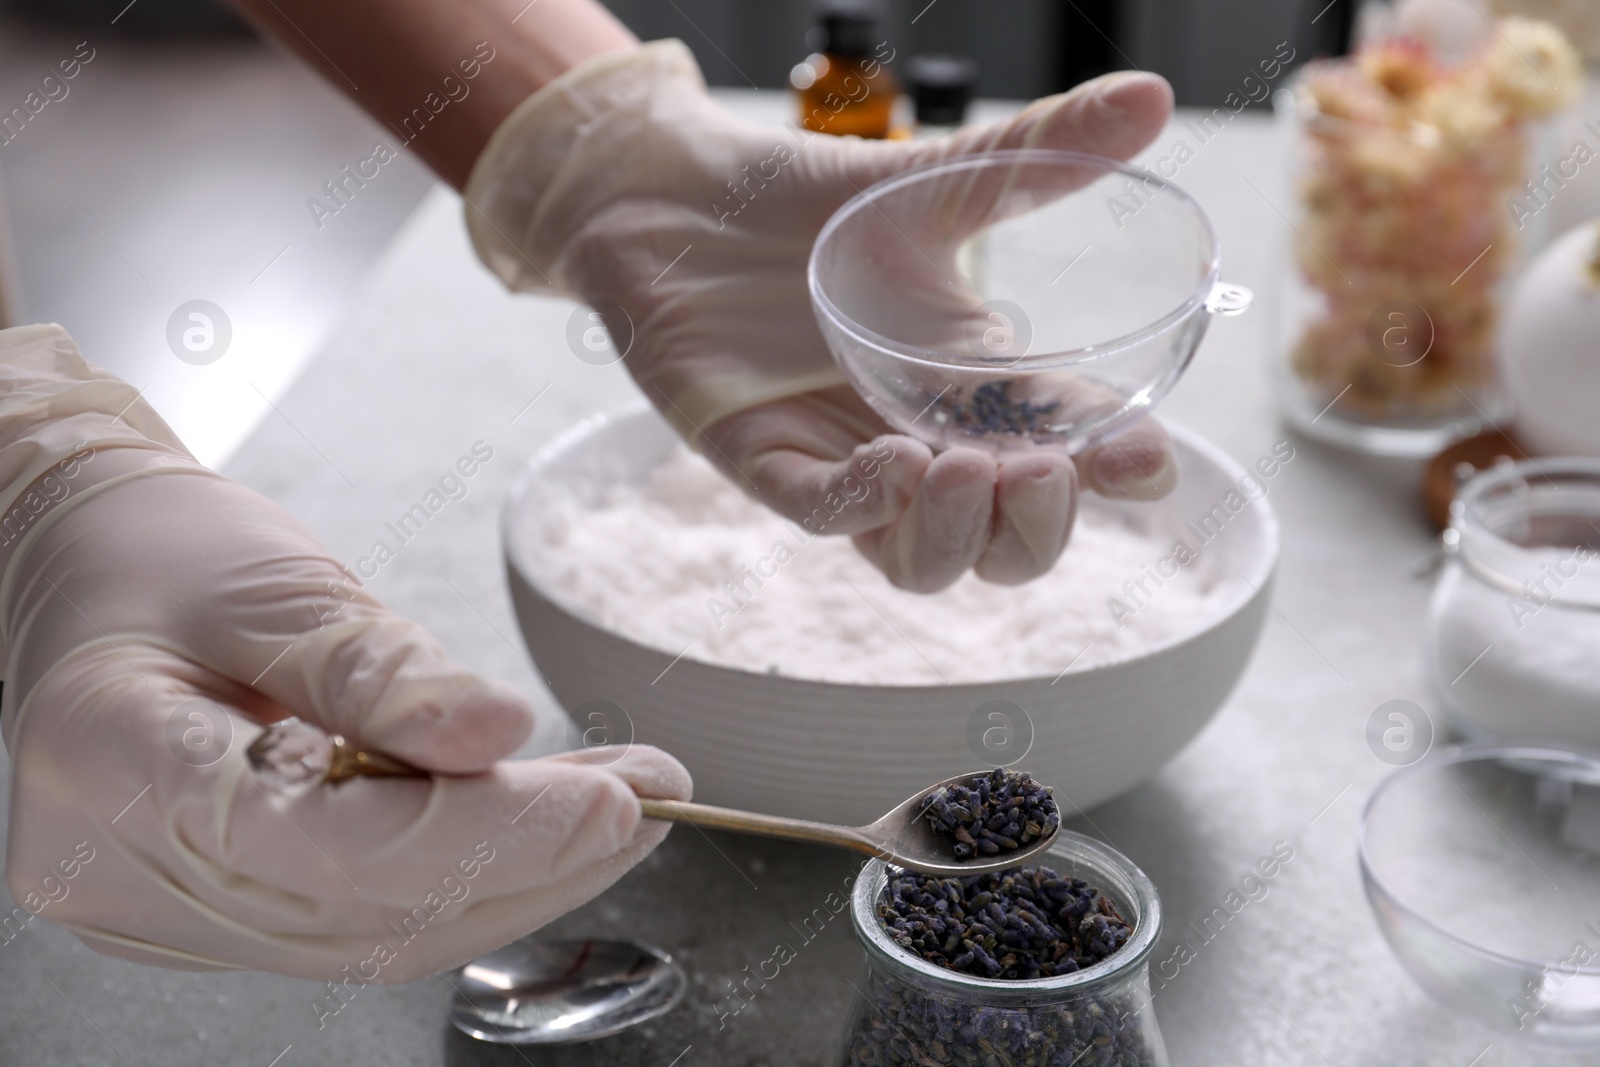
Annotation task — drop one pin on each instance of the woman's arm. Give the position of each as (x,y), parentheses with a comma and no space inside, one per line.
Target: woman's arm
(392,57)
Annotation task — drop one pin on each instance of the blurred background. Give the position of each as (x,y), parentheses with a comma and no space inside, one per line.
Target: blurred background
(180,163)
(1024,48)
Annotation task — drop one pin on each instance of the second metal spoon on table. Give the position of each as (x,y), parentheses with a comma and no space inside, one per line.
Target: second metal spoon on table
(902,837)
(535,992)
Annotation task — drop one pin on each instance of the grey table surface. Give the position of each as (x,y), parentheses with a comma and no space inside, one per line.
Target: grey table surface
(433,356)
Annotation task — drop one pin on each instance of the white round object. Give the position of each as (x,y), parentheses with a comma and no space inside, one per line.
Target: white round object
(847,753)
(1550,347)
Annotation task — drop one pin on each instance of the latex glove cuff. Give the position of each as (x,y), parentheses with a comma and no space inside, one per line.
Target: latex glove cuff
(58,413)
(576,144)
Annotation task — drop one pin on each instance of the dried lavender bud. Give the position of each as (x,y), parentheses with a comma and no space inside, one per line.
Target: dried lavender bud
(1026,922)
(990,408)
(1022,923)
(900,1025)
(997,812)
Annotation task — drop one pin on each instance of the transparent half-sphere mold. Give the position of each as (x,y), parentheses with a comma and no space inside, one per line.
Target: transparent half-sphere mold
(1018,299)
(1482,866)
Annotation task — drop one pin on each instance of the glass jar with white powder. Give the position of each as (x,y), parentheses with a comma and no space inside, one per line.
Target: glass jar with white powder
(1513,631)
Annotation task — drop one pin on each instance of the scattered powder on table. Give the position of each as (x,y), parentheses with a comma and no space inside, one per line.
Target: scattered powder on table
(685,559)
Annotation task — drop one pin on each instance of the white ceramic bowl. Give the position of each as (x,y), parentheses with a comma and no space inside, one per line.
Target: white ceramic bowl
(848,753)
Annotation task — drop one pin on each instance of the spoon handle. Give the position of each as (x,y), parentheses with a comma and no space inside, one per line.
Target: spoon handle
(704,816)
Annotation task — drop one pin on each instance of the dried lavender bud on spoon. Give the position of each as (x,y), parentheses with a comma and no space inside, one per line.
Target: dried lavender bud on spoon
(1018,924)
(991,814)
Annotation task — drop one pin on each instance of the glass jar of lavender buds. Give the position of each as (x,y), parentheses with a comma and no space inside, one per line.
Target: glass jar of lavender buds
(915,1010)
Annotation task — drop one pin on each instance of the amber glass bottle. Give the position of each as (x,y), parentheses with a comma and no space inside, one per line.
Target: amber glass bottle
(845,86)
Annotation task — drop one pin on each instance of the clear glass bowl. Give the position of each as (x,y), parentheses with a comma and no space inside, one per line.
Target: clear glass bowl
(1483,869)
(1018,299)
(911,1012)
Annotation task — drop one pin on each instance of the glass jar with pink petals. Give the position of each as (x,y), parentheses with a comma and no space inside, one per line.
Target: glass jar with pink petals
(1415,197)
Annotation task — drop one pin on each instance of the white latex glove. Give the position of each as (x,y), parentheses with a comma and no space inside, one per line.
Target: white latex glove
(625,185)
(151,609)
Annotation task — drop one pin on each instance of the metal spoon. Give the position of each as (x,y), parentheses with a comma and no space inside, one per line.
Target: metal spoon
(534,992)
(294,751)
(902,837)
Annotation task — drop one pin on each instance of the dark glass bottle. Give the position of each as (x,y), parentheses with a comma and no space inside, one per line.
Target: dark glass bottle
(941,87)
(845,85)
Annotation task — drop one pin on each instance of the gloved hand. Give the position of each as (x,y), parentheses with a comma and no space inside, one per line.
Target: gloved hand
(153,615)
(625,185)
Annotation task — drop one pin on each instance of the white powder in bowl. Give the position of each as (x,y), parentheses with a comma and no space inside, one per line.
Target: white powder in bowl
(685,561)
